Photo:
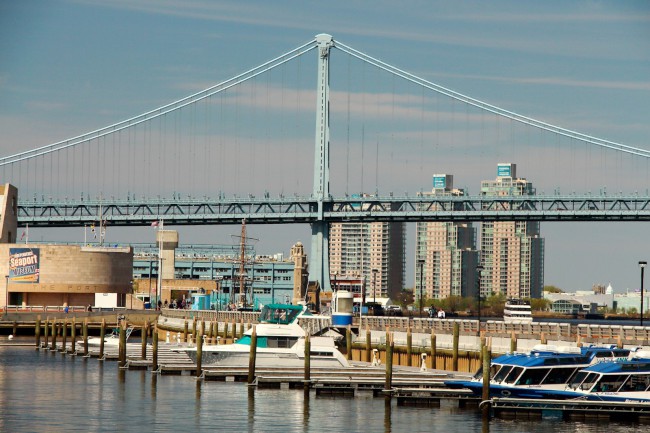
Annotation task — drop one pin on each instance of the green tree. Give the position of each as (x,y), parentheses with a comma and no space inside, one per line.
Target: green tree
(540,304)
(553,289)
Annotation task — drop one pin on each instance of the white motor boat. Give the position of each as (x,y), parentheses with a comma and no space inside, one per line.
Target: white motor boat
(280,343)
(112,339)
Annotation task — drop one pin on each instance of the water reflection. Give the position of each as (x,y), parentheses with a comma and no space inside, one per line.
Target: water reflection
(387,414)
(305,410)
(251,408)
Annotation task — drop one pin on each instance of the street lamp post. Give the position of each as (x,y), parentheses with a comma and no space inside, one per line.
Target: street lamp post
(374,285)
(421,264)
(6,295)
(642,265)
(479,269)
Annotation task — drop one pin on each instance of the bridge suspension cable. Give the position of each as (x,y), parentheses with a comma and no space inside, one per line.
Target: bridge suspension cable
(488,107)
(160,111)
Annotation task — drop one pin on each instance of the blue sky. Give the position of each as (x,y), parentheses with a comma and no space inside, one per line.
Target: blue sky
(67,67)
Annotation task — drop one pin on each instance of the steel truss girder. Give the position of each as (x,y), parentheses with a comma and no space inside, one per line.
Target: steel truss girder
(305,210)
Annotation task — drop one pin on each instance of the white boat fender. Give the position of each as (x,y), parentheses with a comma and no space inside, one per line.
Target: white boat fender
(423,362)
(376,362)
(167,340)
(11,337)
(178,338)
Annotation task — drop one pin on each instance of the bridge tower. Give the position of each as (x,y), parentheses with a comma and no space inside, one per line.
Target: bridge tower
(319,257)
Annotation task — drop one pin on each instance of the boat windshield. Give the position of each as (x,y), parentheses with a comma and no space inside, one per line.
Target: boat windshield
(502,373)
(279,314)
(583,381)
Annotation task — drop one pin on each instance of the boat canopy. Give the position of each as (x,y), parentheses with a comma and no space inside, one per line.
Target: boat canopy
(280,314)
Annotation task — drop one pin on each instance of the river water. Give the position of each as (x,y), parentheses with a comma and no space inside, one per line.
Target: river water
(42,391)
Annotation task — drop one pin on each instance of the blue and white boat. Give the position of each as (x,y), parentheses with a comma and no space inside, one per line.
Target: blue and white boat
(280,343)
(622,381)
(546,367)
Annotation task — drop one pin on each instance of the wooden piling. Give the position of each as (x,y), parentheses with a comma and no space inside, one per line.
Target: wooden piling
(145,329)
(195,329)
(37,331)
(154,354)
(388,385)
(199,353)
(215,332)
(485,395)
(102,335)
(434,350)
(368,345)
(307,362)
(14,330)
(122,346)
(73,336)
(209,334)
(54,325)
(348,343)
(241,329)
(252,356)
(84,331)
(409,347)
(456,338)
(203,327)
(46,331)
(185,331)
(542,337)
(64,339)
(513,342)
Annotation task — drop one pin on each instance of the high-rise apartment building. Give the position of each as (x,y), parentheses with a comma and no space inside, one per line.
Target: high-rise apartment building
(512,252)
(373,252)
(445,252)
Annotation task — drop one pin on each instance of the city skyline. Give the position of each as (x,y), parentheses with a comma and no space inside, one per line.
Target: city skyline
(66,70)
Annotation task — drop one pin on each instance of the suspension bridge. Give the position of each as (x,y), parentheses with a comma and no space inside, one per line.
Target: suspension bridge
(241,149)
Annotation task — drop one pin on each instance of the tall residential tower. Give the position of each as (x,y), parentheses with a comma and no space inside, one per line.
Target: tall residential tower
(445,252)
(512,252)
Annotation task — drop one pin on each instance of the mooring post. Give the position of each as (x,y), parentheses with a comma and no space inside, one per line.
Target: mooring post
(195,329)
(542,337)
(46,331)
(307,362)
(368,344)
(185,331)
(73,336)
(409,347)
(456,337)
(37,331)
(433,350)
(199,352)
(241,328)
(145,329)
(122,348)
(485,395)
(389,364)
(64,339)
(14,330)
(154,355)
(348,342)
(209,334)
(215,332)
(513,342)
(53,335)
(102,335)
(251,357)
(84,331)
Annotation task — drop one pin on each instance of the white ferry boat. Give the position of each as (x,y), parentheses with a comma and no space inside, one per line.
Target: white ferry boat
(517,310)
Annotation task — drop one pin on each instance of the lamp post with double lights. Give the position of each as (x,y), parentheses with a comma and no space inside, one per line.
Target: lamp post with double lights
(7,295)
(421,265)
(642,265)
(374,285)
(479,269)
